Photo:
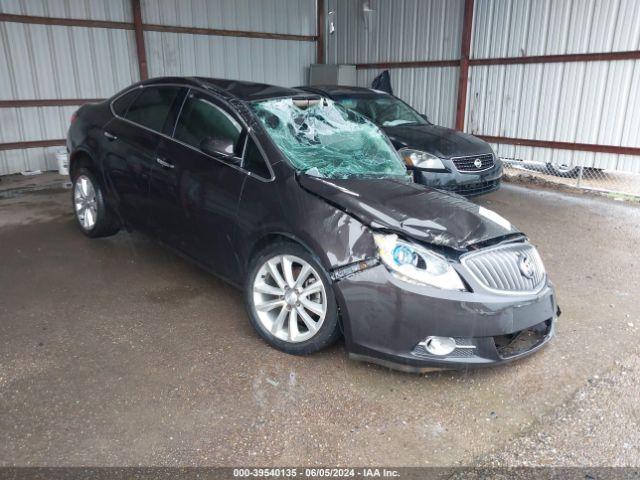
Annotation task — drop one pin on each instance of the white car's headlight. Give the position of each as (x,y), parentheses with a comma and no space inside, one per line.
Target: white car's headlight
(416,264)
(420,159)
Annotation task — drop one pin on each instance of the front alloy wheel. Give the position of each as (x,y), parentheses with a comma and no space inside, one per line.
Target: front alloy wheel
(290,300)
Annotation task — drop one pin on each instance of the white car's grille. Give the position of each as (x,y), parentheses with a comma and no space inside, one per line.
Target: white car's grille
(515,267)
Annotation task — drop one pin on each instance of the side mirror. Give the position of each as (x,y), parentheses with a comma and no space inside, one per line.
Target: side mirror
(217,147)
(425,117)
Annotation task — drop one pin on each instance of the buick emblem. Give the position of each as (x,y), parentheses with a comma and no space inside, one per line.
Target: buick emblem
(478,163)
(526,266)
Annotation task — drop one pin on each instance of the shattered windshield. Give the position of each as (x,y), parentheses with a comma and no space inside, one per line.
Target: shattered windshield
(323,139)
(385,111)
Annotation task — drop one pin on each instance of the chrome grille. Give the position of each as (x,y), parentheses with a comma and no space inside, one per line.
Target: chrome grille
(505,268)
(468,164)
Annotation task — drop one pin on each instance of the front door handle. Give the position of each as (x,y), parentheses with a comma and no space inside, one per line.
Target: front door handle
(164,163)
(110,136)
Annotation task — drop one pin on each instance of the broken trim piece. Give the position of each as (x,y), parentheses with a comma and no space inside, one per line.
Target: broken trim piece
(353,268)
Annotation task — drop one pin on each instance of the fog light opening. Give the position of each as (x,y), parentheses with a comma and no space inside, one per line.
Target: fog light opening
(439,345)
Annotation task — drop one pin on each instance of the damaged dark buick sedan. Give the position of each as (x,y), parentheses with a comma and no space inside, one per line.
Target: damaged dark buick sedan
(309,208)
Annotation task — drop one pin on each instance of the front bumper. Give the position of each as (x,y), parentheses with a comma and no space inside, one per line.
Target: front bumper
(385,319)
(467,184)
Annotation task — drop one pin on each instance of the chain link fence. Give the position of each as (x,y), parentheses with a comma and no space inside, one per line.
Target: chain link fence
(616,180)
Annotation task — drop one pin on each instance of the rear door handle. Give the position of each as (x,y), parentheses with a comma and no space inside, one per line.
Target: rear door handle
(164,163)
(110,136)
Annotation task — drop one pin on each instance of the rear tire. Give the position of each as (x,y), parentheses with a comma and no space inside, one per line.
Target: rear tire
(93,215)
(290,300)
(562,170)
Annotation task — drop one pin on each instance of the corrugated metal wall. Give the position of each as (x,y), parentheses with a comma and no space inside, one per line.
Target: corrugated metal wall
(585,102)
(403,30)
(58,62)
(51,62)
(582,102)
(281,62)
(432,91)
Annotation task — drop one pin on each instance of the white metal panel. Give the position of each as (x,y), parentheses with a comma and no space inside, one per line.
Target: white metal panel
(295,17)
(402,30)
(432,91)
(44,61)
(394,30)
(582,102)
(512,28)
(15,161)
(112,10)
(281,62)
(49,62)
(34,123)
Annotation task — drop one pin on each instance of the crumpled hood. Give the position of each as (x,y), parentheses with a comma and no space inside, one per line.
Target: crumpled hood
(440,141)
(426,214)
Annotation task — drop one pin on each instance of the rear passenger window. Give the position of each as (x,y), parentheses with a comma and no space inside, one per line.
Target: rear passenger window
(121,105)
(254,161)
(150,109)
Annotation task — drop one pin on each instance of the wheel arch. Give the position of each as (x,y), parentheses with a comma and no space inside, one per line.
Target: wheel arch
(267,239)
(82,158)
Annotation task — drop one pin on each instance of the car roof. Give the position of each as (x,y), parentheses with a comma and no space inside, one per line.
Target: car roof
(247,91)
(342,90)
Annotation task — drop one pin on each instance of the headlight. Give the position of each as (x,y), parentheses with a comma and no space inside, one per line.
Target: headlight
(420,159)
(416,264)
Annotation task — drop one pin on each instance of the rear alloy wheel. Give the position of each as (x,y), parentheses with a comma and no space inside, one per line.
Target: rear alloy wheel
(94,218)
(84,201)
(290,300)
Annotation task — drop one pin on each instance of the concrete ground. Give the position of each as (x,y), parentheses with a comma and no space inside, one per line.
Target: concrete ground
(117,352)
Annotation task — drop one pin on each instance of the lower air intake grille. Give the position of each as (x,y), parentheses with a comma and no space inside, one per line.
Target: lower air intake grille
(514,267)
(465,350)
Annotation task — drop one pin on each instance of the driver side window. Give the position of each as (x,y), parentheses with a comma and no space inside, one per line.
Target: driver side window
(201,119)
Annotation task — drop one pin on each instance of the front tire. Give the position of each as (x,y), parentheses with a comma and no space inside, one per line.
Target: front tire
(92,213)
(290,300)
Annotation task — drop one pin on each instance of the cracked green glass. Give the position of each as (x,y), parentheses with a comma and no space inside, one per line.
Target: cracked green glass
(323,139)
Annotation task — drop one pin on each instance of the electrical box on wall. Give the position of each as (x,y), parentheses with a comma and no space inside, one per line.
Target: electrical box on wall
(322,74)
